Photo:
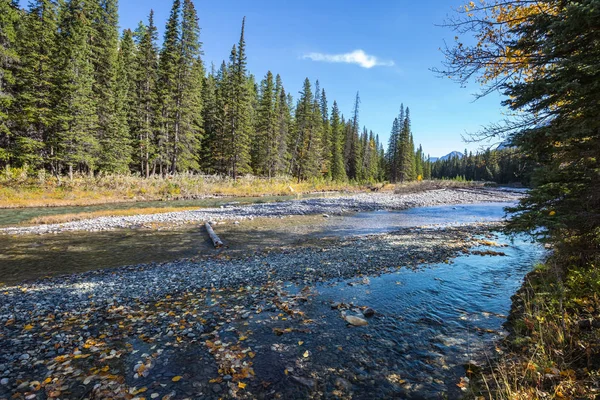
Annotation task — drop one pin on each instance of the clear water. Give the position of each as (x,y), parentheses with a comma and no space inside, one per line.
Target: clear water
(27,257)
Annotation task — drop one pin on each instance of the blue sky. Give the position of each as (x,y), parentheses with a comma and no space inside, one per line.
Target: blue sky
(280,35)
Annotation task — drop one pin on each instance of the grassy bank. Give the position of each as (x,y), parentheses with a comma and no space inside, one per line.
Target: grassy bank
(20,190)
(553,350)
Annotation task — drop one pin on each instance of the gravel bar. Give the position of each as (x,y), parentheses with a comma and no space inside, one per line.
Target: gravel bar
(335,206)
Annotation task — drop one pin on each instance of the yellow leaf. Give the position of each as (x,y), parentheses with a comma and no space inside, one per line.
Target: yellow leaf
(176,378)
(300,343)
(28,327)
(306,354)
(242,338)
(241,385)
(251,354)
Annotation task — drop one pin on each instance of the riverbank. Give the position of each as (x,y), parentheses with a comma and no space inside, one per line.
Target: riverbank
(327,206)
(553,350)
(48,191)
(248,327)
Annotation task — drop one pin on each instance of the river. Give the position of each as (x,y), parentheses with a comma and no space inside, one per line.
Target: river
(429,321)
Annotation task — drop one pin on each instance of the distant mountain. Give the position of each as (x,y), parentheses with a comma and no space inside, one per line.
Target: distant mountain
(452,155)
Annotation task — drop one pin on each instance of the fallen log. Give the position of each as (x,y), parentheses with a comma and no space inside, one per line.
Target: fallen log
(213,236)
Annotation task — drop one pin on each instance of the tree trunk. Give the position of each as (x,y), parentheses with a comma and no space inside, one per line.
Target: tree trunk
(213,236)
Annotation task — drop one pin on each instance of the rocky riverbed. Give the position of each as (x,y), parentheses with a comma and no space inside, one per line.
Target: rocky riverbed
(329,206)
(214,327)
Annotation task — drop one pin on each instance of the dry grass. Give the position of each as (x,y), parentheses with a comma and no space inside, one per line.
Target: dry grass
(549,354)
(20,190)
(62,218)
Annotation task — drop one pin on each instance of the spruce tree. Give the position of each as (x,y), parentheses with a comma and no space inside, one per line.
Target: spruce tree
(210,122)
(239,123)
(112,130)
(284,121)
(146,123)
(9,19)
(326,135)
(76,111)
(116,143)
(167,87)
(266,129)
(188,122)
(352,145)
(35,80)
(338,169)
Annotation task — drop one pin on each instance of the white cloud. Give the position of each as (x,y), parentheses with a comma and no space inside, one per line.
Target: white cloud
(358,57)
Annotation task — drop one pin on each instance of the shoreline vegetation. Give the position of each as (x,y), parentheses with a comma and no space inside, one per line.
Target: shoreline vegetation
(84,190)
(553,347)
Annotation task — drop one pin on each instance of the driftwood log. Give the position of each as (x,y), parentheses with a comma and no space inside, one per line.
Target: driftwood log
(213,236)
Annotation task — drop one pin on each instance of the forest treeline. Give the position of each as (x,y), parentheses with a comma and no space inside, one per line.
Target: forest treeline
(503,166)
(79,96)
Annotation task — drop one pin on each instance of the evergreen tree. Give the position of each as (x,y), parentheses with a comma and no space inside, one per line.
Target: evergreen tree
(188,124)
(116,141)
(338,169)
(238,124)
(406,168)
(392,154)
(9,19)
(284,121)
(266,129)
(326,135)
(306,152)
(35,80)
(352,145)
(211,122)
(146,96)
(168,85)
(76,112)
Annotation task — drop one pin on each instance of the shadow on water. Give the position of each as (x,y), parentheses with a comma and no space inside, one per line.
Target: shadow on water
(27,257)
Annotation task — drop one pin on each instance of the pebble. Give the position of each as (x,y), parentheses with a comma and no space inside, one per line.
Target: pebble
(324,206)
(216,388)
(4,381)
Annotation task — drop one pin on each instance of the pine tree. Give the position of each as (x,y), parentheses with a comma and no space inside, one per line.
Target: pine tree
(76,113)
(34,82)
(338,169)
(146,96)
(9,19)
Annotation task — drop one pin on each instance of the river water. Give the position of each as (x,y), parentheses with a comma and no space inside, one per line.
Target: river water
(428,323)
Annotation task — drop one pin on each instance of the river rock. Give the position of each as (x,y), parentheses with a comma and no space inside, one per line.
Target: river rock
(343,384)
(354,320)
(309,383)
(368,312)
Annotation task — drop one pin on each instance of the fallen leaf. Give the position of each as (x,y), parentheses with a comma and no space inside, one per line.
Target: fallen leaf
(176,378)
(241,385)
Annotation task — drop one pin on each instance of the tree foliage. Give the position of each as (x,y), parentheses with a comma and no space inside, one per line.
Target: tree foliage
(543,56)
